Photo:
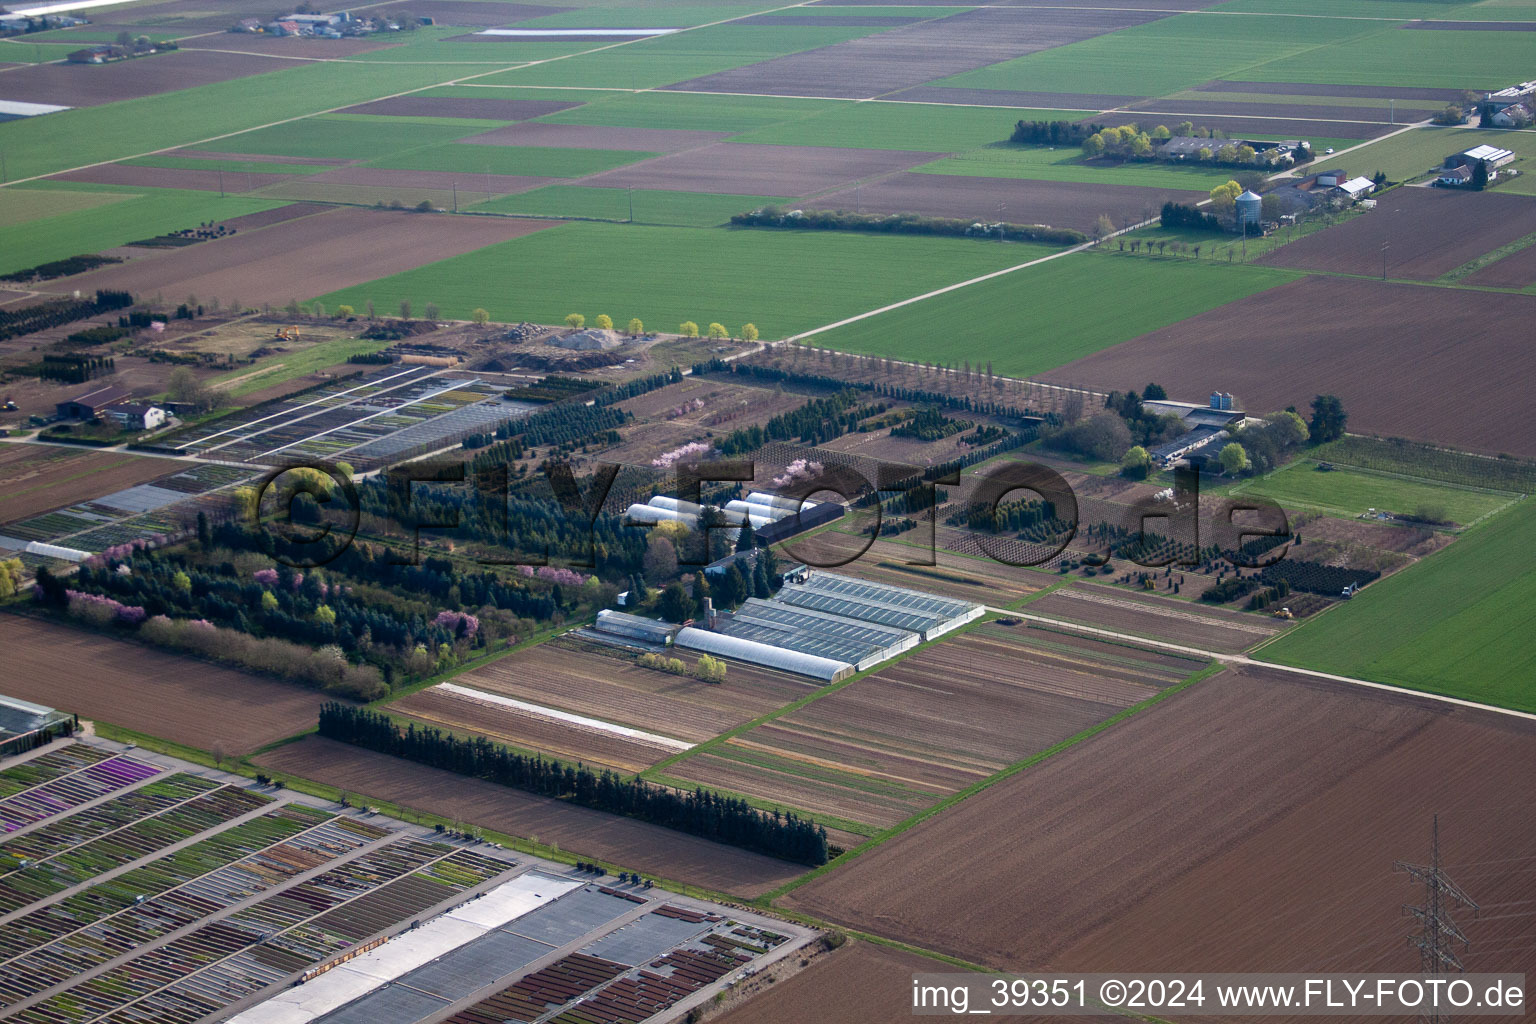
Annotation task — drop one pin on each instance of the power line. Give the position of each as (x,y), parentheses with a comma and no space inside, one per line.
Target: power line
(1438,933)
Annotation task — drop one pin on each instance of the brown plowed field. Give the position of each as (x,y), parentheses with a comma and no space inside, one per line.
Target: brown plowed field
(1057,203)
(571,676)
(85,85)
(36,478)
(463,714)
(150,690)
(1175,622)
(1349,91)
(862,983)
(260,158)
(184,14)
(758,170)
(886,561)
(276,215)
(883,748)
(1432,364)
(487,109)
(585,136)
(204,180)
(1517,270)
(899,58)
(1428,232)
(634,844)
(1248,823)
(308,256)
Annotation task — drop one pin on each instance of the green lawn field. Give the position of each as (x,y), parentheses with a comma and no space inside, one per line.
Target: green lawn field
(113,131)
(234,166)
(933,127)
(1453,10)
(346,138)
(285,366)
(663,60)
(1165,56)
(1042,317)
(100,227)
(1042,163)
(784,282)
(651,206)
(643,15)
(1408,57)
(699,112)
(1347,492)
(540,161)
(20,205)
(1457,623)
(1414,154)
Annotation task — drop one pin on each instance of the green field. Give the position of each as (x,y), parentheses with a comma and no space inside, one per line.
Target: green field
(1457,623)
(1452,10)
(1416,153)
(1043,163)
(651,206)
(113,131)
(345,139)
(235,166)
(20,205)
(100,227)
(1411,57)
(930,127)
(1042,317)
(663,60)
(284,366)
(1165,56)
(698,112)
(539,161)
(784,282)
(1347,492)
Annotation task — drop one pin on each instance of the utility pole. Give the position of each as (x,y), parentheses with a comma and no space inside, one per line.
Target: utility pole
(1384,260)
(631,204)
(1000,208)
(455,186)
(221,183)
(1438,933)
(3,175)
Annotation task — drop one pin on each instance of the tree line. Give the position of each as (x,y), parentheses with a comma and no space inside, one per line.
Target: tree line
(700,812)
(57,312)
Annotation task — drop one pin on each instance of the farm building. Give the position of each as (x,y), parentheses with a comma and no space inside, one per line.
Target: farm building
(1170,453)
(1516,115)
(1454,176)
(1357,188)
(26,726)
(1218,414)
(927,615)
(827,670)
(131,416)
(90,405)
(1491,157)
(821,634)
(635,627)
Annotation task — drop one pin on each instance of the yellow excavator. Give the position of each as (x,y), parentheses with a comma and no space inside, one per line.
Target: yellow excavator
(286,334)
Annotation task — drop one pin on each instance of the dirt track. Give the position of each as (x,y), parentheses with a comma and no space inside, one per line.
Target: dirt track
(149,690)
(307,256)
(623,841)
(1249,823)
(1432,364)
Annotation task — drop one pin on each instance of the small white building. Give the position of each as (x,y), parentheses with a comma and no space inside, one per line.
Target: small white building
(135,417)
(1356,188)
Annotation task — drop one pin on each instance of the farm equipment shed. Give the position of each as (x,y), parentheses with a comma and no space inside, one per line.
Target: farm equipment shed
(828,670)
